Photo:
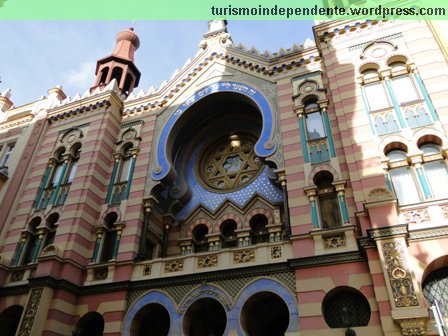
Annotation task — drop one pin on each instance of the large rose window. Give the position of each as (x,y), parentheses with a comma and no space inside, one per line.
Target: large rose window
(229,164)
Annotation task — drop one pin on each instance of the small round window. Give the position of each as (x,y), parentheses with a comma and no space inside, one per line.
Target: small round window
(229,163)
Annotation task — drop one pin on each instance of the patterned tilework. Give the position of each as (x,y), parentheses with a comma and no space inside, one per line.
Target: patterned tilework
(261,185)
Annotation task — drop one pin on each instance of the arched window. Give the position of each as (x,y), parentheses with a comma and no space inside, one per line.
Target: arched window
(109,237)
(228,235)
(328,200)
(52,223)
(402,84)
(314,123)
(258,229)
(402,177)
(346,307)
(116,74)
(127,84)
(435,169)
(374,89)
(31,245)
(200,238)
(125,165)
(104,73)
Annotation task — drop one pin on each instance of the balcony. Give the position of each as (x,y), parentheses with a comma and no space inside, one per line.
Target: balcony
(231,258)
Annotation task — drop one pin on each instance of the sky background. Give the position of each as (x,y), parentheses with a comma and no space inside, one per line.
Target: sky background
(38,55)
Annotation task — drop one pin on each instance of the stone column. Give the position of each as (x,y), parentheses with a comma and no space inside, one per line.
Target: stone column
(112,179)
(148,206)
(36,251)
(340,189)
(99,235)
(282,179)
(311,193)
(323,107)
(300,114)
(386,76)
(22,243)
(168,222)
(119,230)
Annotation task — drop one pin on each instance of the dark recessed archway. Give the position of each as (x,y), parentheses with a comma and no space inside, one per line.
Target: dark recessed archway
(265,314)
(90,324)
(153,319)
(205,317)
(9,320)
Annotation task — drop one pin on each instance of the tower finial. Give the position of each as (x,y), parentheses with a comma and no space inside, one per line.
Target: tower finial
(120,64)
(216,26)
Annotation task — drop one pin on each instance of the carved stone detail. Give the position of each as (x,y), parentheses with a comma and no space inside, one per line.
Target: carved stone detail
(276,252)
(444,211)
(334,241)
(174,266)
(413,326)
(400,279)
(100,273)
(30,312)
(147,270)
(208,261)
(244,256)
(17,276)
(416,216)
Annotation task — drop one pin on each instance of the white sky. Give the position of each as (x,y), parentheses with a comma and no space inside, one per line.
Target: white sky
(38,55)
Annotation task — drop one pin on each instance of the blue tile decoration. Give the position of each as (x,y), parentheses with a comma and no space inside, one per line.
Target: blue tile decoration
(262,186)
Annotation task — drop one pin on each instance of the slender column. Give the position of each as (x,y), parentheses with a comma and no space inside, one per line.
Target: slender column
(19,252)
(417,164)
(299,113)
(142,247)
(166,232)
(54,197)
(44,184)
(38,245)
(395,102)
(323,107)
(282,179)
(311,193)
(131,172)
(112,180)
(426,96)
(99,235)
(119,230)
(340,188)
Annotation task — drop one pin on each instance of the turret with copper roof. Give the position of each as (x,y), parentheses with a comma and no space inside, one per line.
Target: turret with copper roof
(120,64)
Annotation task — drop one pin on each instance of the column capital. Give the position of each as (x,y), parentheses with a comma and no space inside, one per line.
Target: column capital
(281,175)
(310,191)
(149,204)
(299,111)
(323,104)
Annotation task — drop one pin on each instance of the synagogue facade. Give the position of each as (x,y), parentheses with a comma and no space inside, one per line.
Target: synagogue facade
(300,192)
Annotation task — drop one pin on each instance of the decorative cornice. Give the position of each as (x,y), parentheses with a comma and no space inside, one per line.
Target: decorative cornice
(439,232)
(16,122)
(366,242)
(305,76)
(325,260)
(79,110)
(132,123)
(388,232)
